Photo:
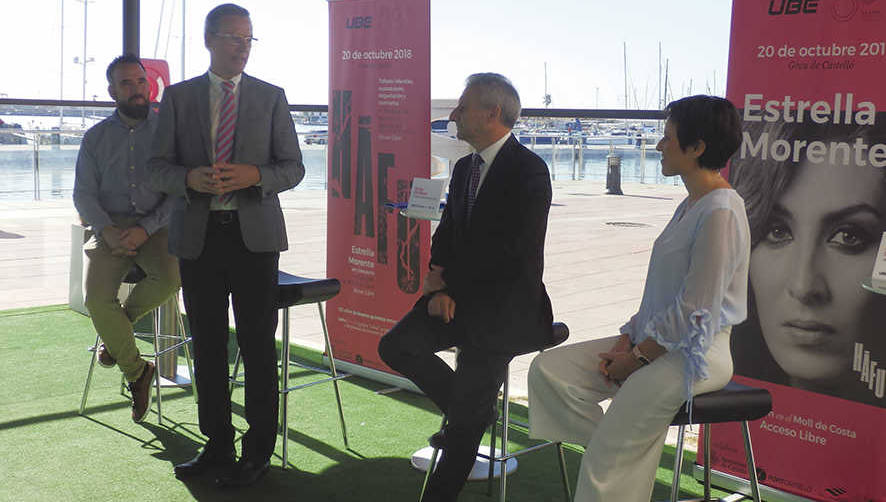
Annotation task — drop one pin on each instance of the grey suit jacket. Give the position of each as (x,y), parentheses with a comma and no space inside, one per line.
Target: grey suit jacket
(264,136)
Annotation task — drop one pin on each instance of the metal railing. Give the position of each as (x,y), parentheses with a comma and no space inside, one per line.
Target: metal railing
(574,142)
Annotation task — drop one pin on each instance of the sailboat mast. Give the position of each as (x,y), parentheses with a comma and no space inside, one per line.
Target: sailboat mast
(625,45)
(547,98)
(660,98)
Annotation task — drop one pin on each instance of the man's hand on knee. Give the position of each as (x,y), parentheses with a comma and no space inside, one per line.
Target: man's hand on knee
(442,306)
(433,281)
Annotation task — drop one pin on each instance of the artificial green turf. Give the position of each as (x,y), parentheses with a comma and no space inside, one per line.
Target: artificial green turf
(49,452)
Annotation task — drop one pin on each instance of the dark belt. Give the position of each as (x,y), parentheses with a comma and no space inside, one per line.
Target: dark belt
(222,217)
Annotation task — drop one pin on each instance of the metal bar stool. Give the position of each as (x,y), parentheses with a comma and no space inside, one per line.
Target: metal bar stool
(293,290)
(560,334)
(732,403)
(170,343)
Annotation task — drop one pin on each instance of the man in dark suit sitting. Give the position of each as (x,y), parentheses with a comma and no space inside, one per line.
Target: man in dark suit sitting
(484,292)
(225,146)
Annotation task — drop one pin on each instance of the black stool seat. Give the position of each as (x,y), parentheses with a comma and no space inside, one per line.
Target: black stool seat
(135,275)
(559,335)
(295,290)
(733,403)
(166,345)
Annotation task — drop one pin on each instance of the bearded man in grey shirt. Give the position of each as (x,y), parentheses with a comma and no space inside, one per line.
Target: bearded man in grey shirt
(128,220)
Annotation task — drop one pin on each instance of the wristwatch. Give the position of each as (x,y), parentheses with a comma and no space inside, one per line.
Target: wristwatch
(639,355)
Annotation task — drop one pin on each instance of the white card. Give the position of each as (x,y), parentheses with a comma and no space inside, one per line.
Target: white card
(424,199)
(878,277)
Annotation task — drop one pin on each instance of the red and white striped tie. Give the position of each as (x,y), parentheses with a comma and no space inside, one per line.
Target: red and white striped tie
(224,135)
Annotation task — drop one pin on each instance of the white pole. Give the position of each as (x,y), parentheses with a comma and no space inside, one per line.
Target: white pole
(61,61)
(83,108)
(184,24)
(159,26)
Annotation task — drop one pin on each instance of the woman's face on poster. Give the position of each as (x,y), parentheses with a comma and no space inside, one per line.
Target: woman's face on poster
(819,244)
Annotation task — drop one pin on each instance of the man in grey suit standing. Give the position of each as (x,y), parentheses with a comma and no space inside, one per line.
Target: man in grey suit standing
(225,146)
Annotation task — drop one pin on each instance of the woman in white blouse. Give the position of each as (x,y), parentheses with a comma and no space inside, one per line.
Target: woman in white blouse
(677,344)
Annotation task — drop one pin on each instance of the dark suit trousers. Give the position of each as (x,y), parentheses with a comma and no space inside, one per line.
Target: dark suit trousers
(467,395)
(226,267)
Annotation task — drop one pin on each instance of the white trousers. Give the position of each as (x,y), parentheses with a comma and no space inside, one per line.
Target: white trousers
(623,446)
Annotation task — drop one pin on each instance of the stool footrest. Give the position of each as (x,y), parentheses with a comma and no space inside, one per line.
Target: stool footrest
(315,382)
(514,454)
(148,337)
(735,497)
(234,378)
(167,349)
(316,369)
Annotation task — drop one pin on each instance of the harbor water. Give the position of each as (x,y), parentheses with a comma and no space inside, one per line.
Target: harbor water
(55,168)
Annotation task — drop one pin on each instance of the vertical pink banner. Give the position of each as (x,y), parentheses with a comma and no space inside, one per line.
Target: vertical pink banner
(807,76)
(379,140)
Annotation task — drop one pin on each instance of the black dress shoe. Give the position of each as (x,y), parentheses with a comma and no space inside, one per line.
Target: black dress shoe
(205,461)
(245,473)
(438,439)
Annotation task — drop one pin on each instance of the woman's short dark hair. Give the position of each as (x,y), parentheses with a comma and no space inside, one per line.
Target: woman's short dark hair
(213,19)
(710,119)
(124,59)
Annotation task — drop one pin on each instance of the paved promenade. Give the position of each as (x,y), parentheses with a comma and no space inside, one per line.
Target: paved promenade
(596,255)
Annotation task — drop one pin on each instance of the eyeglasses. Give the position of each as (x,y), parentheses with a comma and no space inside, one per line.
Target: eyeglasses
(232,39)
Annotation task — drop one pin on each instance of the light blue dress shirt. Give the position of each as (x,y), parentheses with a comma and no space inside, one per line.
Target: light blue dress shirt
(697,281)
(111,180)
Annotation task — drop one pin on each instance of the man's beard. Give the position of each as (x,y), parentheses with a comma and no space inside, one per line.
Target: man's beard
(134,110)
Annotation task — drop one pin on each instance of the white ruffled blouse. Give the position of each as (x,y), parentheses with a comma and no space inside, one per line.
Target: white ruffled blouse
(697,280)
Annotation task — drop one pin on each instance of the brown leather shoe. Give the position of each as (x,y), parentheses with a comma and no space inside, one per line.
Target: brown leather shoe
(104,357)
(141,392)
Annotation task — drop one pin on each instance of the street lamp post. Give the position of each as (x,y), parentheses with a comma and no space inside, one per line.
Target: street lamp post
(84,60)
(61,59)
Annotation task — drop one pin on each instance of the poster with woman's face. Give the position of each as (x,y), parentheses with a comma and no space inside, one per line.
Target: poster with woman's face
(806,77)
(816,223)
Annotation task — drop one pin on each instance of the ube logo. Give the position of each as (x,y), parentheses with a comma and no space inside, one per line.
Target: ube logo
(358,22)
(787,7)
(844,10)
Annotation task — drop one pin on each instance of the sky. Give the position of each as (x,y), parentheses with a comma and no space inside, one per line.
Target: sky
(581,41)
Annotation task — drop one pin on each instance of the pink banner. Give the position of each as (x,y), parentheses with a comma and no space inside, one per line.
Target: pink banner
(157,72)
(807,78)
(379,140)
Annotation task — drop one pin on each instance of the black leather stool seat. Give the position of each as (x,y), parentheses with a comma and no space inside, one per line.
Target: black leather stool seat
(294,290)
(560,334)
(733,403)
(135,275)
(164,343)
